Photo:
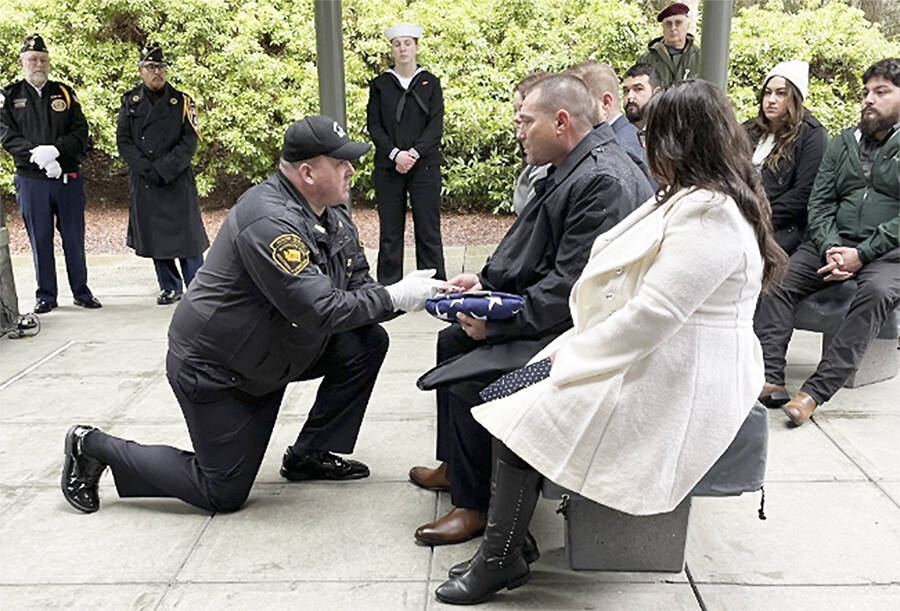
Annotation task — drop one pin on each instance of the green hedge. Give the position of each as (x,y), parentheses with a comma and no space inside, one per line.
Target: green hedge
(251,67)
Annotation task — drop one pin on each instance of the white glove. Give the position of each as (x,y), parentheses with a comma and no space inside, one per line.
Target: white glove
(410,293)
(44,154)
(53,169)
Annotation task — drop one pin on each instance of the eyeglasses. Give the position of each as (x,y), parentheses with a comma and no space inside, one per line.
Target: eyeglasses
(154,67)
(36,61)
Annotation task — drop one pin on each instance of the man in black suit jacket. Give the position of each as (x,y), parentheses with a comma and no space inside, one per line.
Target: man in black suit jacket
(603,83)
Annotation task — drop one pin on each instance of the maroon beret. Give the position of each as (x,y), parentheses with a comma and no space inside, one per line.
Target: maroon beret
(676,8)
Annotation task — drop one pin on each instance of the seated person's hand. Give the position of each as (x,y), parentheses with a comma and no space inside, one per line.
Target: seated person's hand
(465,282)
(473,327)
(841,263)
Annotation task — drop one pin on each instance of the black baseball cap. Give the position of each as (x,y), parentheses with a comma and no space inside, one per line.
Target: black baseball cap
(319,135)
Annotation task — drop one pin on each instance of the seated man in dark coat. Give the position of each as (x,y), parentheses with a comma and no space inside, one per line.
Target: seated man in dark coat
(590,187)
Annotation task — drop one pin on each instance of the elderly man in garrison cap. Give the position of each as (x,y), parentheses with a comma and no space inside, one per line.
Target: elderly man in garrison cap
(43,128)
(157,134)
(674,55)
(284,295)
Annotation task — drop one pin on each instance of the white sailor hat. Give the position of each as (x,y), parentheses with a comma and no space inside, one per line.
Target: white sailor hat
(403,29)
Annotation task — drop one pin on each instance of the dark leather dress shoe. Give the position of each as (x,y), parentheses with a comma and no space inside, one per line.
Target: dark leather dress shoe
(42,307)
(773,395)
(168,297)
(430,479)
(800,408)
(458,526)
(320,464)
(91,303)
(81,473)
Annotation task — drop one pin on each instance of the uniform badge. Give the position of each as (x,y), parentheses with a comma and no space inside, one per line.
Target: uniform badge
(290,253)
(20,102)
(135,98)
(59,105)
(173,101)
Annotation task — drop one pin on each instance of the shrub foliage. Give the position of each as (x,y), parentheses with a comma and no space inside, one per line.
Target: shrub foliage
(251,66)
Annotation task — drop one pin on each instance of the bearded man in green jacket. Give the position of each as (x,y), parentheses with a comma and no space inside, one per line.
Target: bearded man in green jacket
(854,218)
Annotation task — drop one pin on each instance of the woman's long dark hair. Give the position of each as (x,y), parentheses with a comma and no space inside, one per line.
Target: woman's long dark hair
(785,132)
(694,140)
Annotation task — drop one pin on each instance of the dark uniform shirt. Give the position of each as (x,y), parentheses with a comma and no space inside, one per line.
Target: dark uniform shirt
(53,117)
(276,284)
(406,118)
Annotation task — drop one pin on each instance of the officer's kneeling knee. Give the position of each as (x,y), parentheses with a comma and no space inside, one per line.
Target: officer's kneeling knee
(226,500)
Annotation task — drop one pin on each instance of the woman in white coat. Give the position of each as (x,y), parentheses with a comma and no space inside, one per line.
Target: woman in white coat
(633,405)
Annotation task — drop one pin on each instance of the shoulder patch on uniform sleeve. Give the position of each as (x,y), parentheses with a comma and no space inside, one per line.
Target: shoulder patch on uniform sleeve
(290,253)
(189,113)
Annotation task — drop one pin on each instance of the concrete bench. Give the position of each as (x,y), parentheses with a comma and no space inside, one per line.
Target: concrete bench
(604,539)
(823,312)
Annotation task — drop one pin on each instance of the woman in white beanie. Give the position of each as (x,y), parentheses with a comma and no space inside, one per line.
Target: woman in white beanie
(405,118)
(788,144)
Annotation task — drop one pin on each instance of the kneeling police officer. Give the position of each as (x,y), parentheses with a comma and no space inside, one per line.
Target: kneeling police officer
(285,294)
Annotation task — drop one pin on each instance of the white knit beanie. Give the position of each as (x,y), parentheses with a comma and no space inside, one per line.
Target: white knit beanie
(796,71)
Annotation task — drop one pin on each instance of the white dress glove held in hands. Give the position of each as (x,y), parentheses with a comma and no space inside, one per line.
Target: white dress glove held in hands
(53,169)
(44,154)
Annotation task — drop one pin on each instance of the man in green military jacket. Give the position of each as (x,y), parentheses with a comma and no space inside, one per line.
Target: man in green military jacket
(674,55)
(854,217)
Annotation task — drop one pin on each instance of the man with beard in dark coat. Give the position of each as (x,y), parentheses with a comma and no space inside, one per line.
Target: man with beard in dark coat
(591,185)
(157,135)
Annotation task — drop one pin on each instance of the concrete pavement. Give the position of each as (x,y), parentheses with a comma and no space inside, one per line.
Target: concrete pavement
(832,538)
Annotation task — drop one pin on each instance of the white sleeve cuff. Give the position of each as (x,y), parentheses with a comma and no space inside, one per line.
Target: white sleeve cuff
(393,153)
(414,153)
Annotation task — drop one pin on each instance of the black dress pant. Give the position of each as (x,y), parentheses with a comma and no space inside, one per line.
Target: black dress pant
(876,297)
(461,442)
(167,274)
(230,429)
(423,186)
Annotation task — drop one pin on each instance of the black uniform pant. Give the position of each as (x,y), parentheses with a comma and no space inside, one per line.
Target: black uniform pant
(461,442)
(876,297)
(230,429)
(167,274)
(423,186)
(41,201)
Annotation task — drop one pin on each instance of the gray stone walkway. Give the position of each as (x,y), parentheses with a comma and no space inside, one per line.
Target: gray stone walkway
(832,539)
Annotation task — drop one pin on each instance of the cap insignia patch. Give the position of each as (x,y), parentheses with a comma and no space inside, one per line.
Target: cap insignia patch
(339,130)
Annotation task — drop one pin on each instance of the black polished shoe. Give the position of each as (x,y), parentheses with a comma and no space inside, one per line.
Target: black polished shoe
(42,307)
(91,303)
(530,553)
(81,473)
(168,297)
(320,464)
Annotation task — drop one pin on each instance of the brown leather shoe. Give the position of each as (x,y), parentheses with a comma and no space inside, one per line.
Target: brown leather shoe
(800,408)
(773,395)
(430,479)
(456,527)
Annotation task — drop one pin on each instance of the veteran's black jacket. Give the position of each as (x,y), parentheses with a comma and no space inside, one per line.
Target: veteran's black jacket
(276,284)
(54,117)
